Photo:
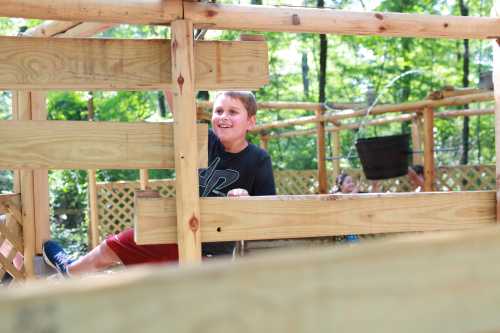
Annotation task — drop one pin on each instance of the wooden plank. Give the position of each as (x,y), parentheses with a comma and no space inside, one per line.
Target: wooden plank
(29,229)
(321,155)
(186,173)
(330,21)
(51,28)
(96,145)
(416,138)
(94,64)
(144,179)
(337,153)
(321,215)
(7,198)
(23,183)
(437,283)
(256,18)
(12,231)
(117,11)
(495,12)
(429,168)
(86,29)
(40,179)
(93,210)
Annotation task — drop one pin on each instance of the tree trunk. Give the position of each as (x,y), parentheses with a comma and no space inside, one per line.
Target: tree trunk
(464,11)
(305,74)
(323,48)
(161,104)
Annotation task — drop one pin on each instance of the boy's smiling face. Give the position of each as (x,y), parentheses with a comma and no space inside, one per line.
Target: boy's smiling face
(230,122)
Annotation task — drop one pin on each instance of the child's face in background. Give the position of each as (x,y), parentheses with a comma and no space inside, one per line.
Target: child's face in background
(348,185)
(230,120)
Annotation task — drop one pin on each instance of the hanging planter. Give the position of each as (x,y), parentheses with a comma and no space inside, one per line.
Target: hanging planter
(384,157)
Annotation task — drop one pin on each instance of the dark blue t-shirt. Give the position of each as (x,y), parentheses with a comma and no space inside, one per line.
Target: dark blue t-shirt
(250,169)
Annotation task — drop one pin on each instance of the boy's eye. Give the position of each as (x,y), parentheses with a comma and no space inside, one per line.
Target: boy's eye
(219,111)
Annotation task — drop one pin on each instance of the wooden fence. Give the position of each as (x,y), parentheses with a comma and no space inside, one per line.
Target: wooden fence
(11,238)
(116,200)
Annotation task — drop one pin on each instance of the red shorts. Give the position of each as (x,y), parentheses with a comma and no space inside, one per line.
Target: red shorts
(130,253)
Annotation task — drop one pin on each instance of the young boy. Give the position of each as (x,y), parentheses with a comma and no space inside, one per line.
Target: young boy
(235,168)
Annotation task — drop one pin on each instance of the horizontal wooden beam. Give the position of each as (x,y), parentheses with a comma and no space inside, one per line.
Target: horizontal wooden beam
(93,64)
(386,120)
(427,283)
(50,28)
(257,18)
(85,29)
(320,215)
(90,145)
(115,11)
(381,109)
(331,21)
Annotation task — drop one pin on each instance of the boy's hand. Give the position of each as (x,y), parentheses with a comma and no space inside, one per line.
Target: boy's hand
(238,192)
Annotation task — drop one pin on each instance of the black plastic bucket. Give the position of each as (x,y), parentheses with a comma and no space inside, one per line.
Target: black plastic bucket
(385,156)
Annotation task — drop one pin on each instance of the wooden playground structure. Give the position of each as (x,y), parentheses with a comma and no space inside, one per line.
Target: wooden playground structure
(444,282)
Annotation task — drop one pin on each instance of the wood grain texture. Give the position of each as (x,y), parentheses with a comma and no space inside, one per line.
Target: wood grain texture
(429,167)
(186,171)
(97,64)
(310,216)
(93,232)
(96,145)
(321,155)
(117,11)
(38,109)
(434,283)
(417,132)
(330,21)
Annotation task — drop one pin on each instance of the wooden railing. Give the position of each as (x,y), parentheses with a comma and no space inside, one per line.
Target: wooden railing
(116,200)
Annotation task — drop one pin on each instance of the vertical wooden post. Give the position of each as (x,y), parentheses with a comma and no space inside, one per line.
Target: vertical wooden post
(264,141)
(186,153)
(495,12)
(429,149)
(23,183)
(143,179)
(93,215)
(321,154)
(416,137)
(40,179)
(93,231)
(336,153)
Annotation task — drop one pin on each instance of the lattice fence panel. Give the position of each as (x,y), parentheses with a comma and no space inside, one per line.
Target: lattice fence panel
(11,249)
(455,178)
(465,178)
(115,202)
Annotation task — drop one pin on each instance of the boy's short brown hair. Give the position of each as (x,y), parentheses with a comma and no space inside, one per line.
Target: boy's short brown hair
(245,97)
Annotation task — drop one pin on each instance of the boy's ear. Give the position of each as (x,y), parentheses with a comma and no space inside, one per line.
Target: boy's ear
(251,122)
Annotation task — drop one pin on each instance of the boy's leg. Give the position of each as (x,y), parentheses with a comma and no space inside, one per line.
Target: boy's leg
(100,258)
(115,249)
